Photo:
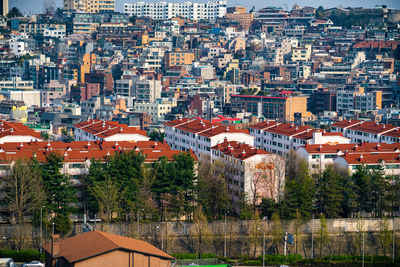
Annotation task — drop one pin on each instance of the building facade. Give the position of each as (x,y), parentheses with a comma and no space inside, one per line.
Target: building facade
(90,6)
(162,10)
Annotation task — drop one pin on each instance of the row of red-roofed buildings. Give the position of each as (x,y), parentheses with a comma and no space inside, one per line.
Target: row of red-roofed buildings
(77,155)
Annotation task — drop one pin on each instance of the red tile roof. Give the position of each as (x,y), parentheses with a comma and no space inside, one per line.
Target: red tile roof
(203,127)
(288,129)
(345,123)
(372,127)
(239,150)
(94,243)
(372,158)
(376,44)
(80,151)
(14,128)
(353,148)
(105,129)
(263,125)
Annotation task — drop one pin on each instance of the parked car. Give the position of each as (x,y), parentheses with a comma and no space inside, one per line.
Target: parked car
(7,262)
(33,264)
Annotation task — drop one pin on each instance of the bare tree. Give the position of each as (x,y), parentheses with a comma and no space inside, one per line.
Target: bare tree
(49,7)
(108,196)
(266,178)
(201,231)
(23,191)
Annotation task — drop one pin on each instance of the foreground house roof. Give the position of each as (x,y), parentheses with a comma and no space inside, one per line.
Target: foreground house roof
(94,243)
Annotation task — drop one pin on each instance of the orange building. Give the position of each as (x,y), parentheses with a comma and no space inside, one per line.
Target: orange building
(88,61)
(178,58)
(238,14)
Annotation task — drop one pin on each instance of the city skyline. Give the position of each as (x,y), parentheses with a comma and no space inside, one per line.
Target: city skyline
(37,5)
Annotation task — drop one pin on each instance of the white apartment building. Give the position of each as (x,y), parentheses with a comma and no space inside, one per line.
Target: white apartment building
(389,162)
(367,131)
(99,130)
(319,157)
(147,91)
(280,138)
(157,109)
(19,47)
(164,10)
(250,171)
(358,100)
(198,135)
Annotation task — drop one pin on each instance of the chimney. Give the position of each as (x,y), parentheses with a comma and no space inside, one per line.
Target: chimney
(243,153)
(55,245)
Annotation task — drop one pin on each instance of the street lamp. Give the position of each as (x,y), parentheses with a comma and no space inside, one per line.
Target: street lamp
(138,223)
(53,227)
(162,237)
(41,228)
(259,229)
(362,234)
(225,233)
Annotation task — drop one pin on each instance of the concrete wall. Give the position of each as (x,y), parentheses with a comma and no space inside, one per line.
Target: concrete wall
(243,238)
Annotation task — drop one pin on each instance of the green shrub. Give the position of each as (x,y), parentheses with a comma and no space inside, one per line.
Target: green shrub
(280,259)
(209,256)
(22,255)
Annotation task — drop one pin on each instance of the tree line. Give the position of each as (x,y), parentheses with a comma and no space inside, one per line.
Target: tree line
(334,192)
(126,188)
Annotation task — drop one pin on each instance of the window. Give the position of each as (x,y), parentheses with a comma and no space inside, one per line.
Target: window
(77,166)
(315,156)
(330,156)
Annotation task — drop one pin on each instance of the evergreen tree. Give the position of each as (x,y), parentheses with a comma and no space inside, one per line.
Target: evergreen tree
(329,193)
(61,193)
(298,194)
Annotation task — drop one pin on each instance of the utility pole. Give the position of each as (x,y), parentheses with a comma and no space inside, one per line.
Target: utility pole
(137,217)
(263,249)
(363,249)
(312,237)
(225,236)
(285,248)
(41,228)
(394,244)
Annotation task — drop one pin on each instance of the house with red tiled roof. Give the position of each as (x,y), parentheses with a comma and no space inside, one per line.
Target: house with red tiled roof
(367,131)
(320,156)
(78,155)
(99,130)
(280,138)
(17,132)
(96,248)
(200,135)
(250,171)
(388,162)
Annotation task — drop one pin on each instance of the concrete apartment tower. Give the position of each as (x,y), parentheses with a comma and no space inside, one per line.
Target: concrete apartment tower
(3,8)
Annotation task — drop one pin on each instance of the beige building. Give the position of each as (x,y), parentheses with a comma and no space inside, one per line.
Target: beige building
(90,6)
(3,8)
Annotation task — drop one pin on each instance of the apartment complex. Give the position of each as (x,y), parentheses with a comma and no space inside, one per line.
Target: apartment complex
(98,130)
(280,138)
(250,171)
(78,155)
(270,107)
(358,100)
(90,6)
(367,131)
(320,156)
(163,10)
(199,135)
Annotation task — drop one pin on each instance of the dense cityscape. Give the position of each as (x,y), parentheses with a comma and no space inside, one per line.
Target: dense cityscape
(199,134)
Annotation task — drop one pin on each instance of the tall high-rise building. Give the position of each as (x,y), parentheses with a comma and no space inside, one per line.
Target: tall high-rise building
(90,6)
(3,7)
(163,10)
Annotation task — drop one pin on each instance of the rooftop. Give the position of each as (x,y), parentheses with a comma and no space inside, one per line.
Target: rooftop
(238,150)
(91,244)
